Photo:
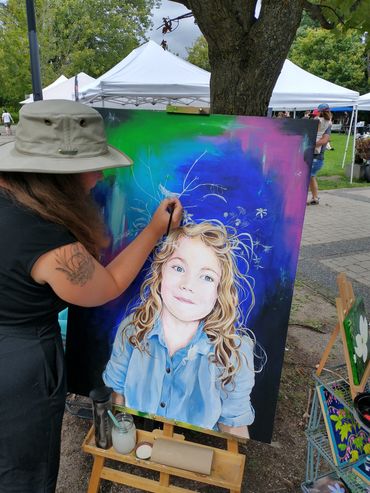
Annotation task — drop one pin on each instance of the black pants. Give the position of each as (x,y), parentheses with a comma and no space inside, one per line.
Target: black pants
(32,397)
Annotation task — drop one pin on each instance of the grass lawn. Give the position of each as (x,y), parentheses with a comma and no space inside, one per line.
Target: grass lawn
(332,174)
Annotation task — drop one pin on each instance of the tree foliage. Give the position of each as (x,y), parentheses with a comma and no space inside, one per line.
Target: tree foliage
(247,52)
(74,36)
(339,59)
(198,54)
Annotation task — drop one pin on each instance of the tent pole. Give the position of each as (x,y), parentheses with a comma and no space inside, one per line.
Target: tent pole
(354,143)
(348,136)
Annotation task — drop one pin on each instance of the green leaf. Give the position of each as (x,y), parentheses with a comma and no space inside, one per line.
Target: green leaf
(367,448)
(345,430)
(358,443)
(354,456)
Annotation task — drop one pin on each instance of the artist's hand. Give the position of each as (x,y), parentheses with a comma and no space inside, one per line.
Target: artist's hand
(161,217)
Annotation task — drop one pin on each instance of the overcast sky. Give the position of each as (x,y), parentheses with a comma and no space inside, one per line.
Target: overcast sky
(180,39)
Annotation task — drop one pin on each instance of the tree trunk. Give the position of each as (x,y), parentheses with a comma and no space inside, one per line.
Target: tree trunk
(246,54)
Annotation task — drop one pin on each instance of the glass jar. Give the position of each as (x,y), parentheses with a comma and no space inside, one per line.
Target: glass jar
(124,436)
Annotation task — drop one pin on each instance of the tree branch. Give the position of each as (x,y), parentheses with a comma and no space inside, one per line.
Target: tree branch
(316,13)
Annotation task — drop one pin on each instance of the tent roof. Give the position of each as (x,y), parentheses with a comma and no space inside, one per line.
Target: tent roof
(60,79)
(364,102)
(63,88)
(298,89)
(150,75)
(150,72)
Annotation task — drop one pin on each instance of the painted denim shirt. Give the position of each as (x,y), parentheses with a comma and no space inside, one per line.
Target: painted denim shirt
(185,386)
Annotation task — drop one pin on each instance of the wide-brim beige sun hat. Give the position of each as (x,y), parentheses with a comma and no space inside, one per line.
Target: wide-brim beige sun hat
(60,136)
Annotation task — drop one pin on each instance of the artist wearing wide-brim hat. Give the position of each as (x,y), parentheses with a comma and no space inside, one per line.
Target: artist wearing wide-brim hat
(60,136)
(51,235)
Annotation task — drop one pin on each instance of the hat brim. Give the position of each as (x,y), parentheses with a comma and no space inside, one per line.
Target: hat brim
(13,160)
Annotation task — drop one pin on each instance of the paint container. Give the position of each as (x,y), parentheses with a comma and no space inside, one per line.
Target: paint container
(143,450)
(102,402)
(362,409)
(124,436)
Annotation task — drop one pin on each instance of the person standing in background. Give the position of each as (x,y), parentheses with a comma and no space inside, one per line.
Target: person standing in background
(7,121)
(323,112)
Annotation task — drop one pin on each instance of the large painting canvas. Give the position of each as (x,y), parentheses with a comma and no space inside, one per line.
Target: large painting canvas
(225,278)
(357,340)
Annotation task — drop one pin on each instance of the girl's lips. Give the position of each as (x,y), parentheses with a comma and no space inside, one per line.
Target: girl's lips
(184,300)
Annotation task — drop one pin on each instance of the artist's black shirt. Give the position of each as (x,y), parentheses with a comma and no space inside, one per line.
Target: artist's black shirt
(24,237)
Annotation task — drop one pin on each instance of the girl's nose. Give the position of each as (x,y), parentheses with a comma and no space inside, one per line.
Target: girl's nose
(186,285)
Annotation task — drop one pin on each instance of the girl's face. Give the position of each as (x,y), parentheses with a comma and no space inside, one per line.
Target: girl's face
(90,179)
(190,279)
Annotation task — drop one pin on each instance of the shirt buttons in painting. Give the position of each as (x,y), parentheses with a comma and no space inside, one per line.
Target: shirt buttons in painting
(168,370)
(163,404)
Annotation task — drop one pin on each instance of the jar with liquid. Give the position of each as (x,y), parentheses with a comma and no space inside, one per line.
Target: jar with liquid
(124,436)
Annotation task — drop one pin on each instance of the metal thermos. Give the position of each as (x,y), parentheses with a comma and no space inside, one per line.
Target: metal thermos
(102,402)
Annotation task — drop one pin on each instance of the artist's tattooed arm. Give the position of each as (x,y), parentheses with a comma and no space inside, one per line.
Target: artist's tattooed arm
(76,263)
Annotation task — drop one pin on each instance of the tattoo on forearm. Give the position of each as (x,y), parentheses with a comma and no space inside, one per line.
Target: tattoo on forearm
(78,266)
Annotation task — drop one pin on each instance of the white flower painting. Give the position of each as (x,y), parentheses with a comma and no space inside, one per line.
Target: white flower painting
(361,339)
(357,340)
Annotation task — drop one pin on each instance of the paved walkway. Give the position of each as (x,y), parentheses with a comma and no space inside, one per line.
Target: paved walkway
(336,238)
(4,138)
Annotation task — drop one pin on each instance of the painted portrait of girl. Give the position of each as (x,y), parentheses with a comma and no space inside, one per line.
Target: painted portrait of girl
(184,353)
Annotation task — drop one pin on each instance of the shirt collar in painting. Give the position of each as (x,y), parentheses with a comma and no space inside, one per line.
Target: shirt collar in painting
(199,343)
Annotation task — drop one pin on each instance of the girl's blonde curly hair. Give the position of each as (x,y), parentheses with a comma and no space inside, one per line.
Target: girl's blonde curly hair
(223,325)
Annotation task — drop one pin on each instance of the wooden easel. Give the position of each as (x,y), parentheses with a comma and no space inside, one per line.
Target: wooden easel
(344,303)
(227,466)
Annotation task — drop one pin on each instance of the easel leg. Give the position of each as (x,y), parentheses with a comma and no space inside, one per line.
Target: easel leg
(327,350)
(94,482)
(164,478)
(233,446)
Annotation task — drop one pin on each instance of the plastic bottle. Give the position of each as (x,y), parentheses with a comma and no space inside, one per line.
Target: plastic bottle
(102,401)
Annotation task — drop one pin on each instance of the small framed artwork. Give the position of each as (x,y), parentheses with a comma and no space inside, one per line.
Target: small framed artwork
(357,341)
(348,441)
(362,469)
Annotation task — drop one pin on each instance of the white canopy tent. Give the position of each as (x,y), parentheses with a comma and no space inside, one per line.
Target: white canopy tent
(63,88)
(297,89)
(60,79)
(364,102)
(151,75)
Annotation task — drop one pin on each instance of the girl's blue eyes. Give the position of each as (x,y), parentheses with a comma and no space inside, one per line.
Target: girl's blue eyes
(178,268)
(208,278)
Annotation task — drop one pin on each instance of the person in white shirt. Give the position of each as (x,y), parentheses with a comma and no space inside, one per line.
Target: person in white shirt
(7,121)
